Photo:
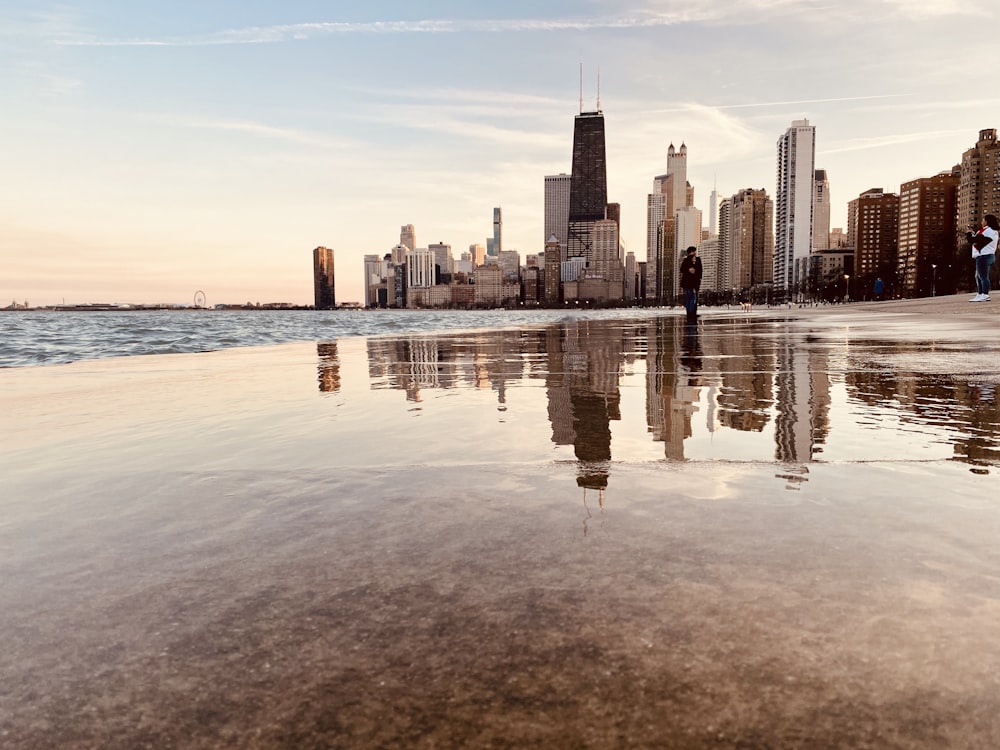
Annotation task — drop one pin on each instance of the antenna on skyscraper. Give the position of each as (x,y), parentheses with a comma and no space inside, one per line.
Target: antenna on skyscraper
(598,88)
(581,82)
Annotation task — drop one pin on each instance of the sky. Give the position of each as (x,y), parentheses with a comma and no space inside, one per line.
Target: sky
(152,150)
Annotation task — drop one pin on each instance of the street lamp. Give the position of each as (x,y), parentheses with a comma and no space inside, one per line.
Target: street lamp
(933,279)
(847,287)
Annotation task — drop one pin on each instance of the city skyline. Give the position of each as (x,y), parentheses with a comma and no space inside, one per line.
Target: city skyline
(170,149)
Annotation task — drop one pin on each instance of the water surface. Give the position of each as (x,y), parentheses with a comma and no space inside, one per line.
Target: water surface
(750,532)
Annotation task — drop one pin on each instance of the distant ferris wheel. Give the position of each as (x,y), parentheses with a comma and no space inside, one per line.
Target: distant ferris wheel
(199,299)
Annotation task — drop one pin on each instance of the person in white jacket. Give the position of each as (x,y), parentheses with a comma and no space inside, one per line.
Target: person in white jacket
(984,248)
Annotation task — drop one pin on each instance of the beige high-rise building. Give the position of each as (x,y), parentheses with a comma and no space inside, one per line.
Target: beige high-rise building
(489,285)
(374,275)
(671,193)
(399,253)
(478,253)
(557,189)
(838,238)
(631,277)
(442,256)
(408,236)
(606,263)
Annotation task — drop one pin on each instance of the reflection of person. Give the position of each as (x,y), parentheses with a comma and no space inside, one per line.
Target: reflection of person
(690,280)
(691,356)
(984,248)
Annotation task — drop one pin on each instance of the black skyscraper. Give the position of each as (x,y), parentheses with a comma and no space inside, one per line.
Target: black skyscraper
(588,193)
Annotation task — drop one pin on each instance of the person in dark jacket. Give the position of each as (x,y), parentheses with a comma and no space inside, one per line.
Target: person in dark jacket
(690,281)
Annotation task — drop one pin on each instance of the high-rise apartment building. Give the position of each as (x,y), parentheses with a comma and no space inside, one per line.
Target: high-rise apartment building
(442,257)
(708,251)
(374,276)
(713,213)
(631,277)
(553,265)
(821,211)
(926,247)
(689,230)
(420,269)
(873,232)
(323,279)
(510,262)
(979,188)
(793,203)
(495,244)
(408,236)
(606,261)
(478,253)
(557,190)
(399,253)
(588,198)
(671,193)
(746,240)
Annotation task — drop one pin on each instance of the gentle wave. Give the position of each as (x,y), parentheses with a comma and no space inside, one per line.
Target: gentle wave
(34,338)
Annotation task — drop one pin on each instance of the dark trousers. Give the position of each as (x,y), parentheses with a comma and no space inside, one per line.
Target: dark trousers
(691,302)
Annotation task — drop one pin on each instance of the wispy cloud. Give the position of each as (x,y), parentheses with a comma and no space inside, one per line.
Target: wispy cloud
(248,127)
(303,31)
(895,139)
(783,103)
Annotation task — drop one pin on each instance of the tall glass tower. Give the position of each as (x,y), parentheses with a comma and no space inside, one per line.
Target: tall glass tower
(793,236)
(323,279)
(588,195)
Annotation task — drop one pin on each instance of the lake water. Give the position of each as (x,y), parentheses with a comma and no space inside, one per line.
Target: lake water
(57,337)
(602,530)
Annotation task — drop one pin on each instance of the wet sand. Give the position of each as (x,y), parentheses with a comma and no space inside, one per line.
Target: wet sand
(755,534)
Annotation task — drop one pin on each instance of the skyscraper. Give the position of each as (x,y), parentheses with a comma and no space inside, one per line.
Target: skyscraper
(588,197)
(323,281)
(373,277)
(557,189)
(926,249)
(873,232)
(747,240)
(979,189)
(553,265)
(493,248)
(821,211)
(670,194)
(408,236)
(443,258)
(793,203)
(478,253)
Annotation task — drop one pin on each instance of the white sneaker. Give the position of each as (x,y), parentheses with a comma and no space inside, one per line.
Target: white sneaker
(977,298)
(986,298)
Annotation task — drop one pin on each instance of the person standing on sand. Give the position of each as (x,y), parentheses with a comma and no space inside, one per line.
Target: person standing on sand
(690,281)
(984,248)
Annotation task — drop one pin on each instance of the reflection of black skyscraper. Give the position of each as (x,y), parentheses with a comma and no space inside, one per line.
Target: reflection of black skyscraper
(588,194)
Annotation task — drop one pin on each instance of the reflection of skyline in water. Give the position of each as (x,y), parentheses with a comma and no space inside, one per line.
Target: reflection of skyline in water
(718,378)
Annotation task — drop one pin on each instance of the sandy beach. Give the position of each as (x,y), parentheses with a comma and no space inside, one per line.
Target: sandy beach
(773,529)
